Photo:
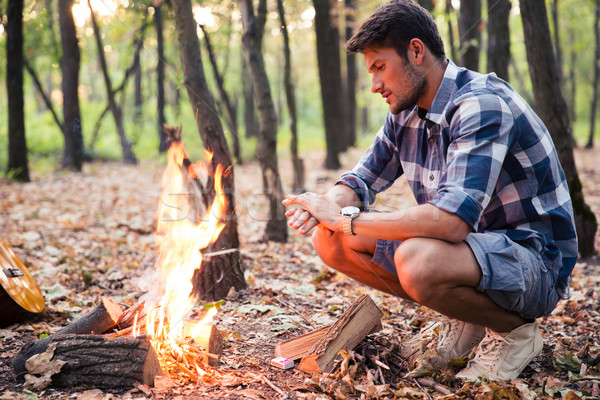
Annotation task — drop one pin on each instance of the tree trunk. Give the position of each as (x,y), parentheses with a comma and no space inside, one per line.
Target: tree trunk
(451,42)
(73,155)
(590,142)
(45,96)
(556,32)
(290,96)
(573,84)
(250,120)
(160,77)
(138,101)
(18,166)
(498,38)
(351,75)
(229,105)
(219,273)
(551,107)
(55,51)
(276,229)
(128,156)
(330,76)
(469,30)
(134,68)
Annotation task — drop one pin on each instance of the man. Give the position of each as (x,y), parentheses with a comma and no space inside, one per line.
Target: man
(491,243)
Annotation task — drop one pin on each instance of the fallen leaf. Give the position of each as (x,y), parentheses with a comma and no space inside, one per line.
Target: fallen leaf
(44,367)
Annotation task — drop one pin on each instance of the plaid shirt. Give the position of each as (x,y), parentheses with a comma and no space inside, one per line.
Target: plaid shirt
(481,153)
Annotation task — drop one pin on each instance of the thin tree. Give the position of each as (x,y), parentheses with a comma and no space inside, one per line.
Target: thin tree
(571,97)
(133,69)
(276,229)
(351,74)
(126,148)
(250,120)
(551,108)
(160,76)
(498,37)
(229,105)
(45,96)
(556,38)
(290,96)
(451,42)
(18,166)
(138,101)
(330,76)
(223,270)
(590,142)
(469,24)
(69,62)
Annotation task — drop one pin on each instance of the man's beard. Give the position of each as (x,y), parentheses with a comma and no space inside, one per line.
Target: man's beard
(417,90)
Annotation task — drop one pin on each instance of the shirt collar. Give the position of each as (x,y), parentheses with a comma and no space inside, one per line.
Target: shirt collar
(443,95)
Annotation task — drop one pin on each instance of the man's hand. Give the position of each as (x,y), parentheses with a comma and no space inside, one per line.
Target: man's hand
(314,210)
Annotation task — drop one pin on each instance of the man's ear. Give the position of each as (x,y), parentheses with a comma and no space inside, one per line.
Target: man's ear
(416,50)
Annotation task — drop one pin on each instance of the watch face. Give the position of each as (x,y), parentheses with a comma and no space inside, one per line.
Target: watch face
(350,211)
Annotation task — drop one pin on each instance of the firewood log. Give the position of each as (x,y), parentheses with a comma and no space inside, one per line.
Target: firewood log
(360,319)
(102,318)
(104,363)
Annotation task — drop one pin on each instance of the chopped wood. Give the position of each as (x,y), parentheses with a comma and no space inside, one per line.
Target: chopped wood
(100,319)
(361,318)
(208,338)
(129,316)
(296,348)
(94,360)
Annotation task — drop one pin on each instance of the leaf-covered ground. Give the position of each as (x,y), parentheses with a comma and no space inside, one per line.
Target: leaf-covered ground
(89,235)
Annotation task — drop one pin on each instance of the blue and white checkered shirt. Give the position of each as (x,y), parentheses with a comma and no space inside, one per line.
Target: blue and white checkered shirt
(481,153)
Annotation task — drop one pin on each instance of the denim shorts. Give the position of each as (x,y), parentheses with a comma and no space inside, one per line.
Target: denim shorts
(513,276)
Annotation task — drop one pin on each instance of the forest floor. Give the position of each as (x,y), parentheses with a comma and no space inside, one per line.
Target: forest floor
(89,235)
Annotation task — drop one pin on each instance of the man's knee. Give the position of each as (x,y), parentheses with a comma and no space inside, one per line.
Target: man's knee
(326,245)
(415,264)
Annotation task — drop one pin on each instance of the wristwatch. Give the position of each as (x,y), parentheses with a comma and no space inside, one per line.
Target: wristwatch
(349,213)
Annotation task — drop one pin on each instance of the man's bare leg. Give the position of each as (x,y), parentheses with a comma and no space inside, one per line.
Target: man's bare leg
(352,255)
(435,273)
(443,276)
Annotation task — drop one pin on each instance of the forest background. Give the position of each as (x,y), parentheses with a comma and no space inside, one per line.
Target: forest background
(572,25)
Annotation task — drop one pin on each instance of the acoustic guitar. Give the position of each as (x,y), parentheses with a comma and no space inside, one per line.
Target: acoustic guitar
(20,296)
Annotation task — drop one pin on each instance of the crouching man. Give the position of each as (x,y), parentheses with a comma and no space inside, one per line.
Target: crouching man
(491,243)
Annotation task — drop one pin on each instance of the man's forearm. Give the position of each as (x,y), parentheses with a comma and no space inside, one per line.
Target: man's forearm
(424,220)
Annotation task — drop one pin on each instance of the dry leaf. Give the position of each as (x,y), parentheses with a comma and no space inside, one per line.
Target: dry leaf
(163,382)
(42,365)
(231,380)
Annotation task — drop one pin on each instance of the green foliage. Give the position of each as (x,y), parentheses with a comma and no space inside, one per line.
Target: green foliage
(42,49)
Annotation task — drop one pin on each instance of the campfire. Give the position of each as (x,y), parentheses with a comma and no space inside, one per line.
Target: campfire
(158,334)
(181,237)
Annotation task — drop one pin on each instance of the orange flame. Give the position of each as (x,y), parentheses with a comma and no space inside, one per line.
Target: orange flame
(180,238)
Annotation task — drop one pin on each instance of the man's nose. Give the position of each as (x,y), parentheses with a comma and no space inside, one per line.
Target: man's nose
(376,85)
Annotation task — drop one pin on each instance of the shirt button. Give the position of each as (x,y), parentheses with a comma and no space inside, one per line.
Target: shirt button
(431,177)
(431,140)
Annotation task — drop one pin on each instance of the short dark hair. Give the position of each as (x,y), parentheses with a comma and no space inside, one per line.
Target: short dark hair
(394,25)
